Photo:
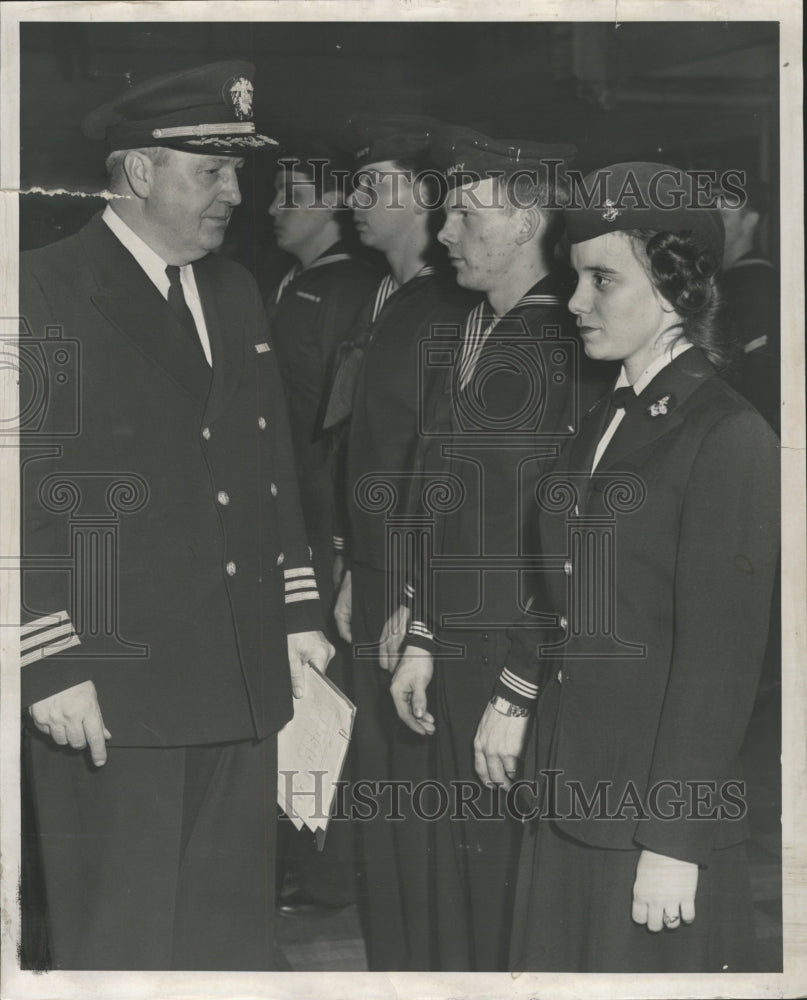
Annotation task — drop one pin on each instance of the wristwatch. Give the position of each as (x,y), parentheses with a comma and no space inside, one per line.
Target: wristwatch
(505,707)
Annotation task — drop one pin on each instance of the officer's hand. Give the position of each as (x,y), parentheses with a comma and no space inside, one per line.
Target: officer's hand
(341,610)
(498,746)
(392,637)
(73,718)
(664,891)
(408,689)
(307,647)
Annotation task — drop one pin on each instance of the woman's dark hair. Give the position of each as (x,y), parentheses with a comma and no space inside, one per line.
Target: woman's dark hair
(684,272)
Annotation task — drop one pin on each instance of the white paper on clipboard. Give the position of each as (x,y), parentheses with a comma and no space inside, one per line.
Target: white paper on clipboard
(311,751)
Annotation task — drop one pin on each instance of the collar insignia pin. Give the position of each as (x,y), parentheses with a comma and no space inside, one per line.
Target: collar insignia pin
(661,407)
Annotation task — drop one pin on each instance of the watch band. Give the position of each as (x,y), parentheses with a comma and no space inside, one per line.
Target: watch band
(505,707)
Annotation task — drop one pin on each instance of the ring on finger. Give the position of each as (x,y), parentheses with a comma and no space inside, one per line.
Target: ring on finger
(671,921)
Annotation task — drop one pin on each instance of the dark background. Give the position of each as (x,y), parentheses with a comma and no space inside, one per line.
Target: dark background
(699,95)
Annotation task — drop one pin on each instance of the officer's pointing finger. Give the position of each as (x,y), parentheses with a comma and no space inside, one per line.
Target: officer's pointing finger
(95,735)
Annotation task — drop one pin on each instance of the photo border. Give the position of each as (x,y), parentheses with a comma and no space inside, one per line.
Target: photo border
(793,981)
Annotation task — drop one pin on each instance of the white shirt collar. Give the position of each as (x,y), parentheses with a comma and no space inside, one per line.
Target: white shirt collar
(151,262)
(654,367)
(154,267)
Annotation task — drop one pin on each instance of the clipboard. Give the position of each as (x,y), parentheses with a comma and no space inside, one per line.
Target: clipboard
(311,752)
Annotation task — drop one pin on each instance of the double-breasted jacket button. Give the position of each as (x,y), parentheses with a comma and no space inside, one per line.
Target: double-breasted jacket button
(486,660)
(262,423)
(206,433)
(223,498)
(484,637)
(560,677)
(280,559)
(567,567)
(231,568)
(564,622)
(273,490)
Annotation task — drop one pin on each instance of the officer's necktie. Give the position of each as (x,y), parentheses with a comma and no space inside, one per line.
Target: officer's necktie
(176,299)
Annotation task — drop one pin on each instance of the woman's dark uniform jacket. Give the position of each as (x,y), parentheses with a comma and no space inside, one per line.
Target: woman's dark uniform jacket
(694,566)
(206,553)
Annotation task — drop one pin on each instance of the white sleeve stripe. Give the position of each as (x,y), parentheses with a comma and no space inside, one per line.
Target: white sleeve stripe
(46,637)
(409,590)
(522,694)
(302,571)
(301,584)
(56,647)
(518,684)
(57,618)
(507,674)
(418,628)
(302,595)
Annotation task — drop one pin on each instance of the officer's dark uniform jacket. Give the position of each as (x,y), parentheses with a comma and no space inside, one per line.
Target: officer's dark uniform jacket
(487,442)
(666,697)
(383,431)
(310,313)
(212,567)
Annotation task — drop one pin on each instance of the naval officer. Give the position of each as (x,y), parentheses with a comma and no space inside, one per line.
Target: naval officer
(154,775)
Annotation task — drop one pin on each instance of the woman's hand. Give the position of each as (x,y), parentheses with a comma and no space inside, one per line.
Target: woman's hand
(664,891)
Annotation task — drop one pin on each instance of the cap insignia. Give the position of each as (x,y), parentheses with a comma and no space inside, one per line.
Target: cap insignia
(241,90)
(611,211)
